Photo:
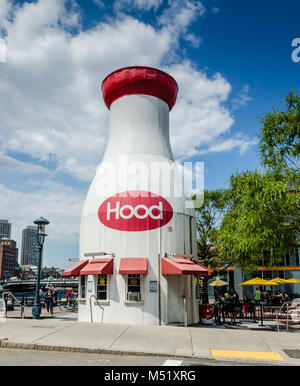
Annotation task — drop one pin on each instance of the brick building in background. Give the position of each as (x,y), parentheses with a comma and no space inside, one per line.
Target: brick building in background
(8,258)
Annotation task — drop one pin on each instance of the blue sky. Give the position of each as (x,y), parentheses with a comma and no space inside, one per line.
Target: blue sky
(231,59)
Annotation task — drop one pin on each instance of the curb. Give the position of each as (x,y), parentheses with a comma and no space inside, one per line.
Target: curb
(36,346)
(39,347)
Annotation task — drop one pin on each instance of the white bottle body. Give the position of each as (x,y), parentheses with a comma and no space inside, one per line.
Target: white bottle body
(138,147)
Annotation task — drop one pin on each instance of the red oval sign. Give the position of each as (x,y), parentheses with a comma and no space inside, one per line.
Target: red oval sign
(135,210)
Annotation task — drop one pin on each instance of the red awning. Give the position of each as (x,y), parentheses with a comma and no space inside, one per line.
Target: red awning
(133,266)
(172,266)
(206,271)
(99,267)
(75,269)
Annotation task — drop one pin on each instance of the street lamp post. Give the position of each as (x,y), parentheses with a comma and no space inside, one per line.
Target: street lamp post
(40,236)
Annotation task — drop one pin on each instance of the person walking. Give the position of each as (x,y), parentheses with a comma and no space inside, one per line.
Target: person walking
(221,307)
(69,297)
(10,303)
(216,310)
(232,299)
(49,301)
(257,298)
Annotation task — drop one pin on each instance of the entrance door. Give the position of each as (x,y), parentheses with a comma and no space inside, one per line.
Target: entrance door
(176,286)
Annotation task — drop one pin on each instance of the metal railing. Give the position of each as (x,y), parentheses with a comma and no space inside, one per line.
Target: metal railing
(279,312)
(91,308)
(16,300)
(292,314)
(185,320)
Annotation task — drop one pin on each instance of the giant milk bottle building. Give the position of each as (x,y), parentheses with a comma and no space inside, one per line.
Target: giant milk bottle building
(137,238)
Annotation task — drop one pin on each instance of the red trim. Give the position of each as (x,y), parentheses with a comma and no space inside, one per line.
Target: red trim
(172,266)
(99,267)
(205,269)
(139,80)
(133,266)
(75,269)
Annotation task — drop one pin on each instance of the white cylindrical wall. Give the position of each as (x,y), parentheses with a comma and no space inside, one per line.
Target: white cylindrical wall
(138,146)
(139,124)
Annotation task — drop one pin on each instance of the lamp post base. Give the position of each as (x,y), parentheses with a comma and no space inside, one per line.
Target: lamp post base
(36,311)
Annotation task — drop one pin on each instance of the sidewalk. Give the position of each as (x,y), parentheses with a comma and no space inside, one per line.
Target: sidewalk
(64,333)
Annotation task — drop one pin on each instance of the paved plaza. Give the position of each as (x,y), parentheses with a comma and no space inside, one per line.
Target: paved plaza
(64,333)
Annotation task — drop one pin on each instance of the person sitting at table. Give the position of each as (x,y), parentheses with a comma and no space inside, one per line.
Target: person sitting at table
(245,306)
(264,294)
(269,298)
(285,296)
(278,298)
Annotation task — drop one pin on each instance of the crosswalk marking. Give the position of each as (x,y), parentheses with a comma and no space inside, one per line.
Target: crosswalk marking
(171,362)
(275,356)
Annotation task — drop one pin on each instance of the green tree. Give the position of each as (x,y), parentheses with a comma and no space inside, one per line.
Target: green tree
(280,136)
(208,219)
(262,221)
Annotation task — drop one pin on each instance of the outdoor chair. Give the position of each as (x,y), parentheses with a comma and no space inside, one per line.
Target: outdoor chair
(238,311)
(250,311)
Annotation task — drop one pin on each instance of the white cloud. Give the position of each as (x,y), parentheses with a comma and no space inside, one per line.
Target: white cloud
(5,8)
(11,165)
(241,143)
(194,40)
(242,99)
(51,106)
(23,208)
(179,15)
(99,3)
(51,83)
(199,122)
(146,5)
(199,117)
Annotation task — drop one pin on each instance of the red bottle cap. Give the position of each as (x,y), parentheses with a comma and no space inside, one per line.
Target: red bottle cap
(139,80)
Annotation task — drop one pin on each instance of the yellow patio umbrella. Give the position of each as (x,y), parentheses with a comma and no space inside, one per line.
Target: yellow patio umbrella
(258,281)
(280,281)
(218,283)
(292,280)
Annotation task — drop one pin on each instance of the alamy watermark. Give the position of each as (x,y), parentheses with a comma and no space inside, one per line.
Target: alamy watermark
(296,51)
(166,178)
